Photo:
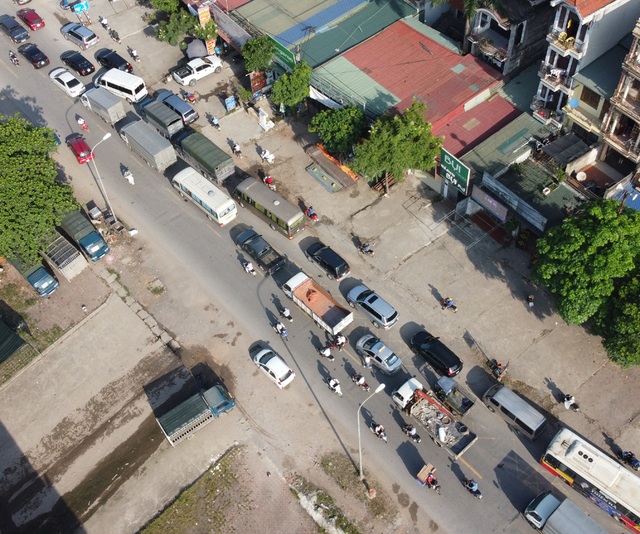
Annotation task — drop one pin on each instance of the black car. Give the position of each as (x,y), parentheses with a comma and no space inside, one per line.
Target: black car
(110,59)
(13,29)
(77,62)
(34,55)
(334,264)
(436,353)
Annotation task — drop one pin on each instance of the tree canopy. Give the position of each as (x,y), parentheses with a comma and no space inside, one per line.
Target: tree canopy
(257,53)
(33,202)
(166,6)
(207,32)
(397,143)
(581,260)
(172,30)
(292,88)
(339,129)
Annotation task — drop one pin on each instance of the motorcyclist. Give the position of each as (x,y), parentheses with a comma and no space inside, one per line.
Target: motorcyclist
(334,384)
(366,248)
(379,430)
(340,341)
(280,328)
(448,303)
(325,352)
(236,149)
(628,456)
(286,313)
(360,381)
(432,480)
(248,266)
(568,400)
(471,485)
(311,212)
(410,430)
(12,56)
(81,121)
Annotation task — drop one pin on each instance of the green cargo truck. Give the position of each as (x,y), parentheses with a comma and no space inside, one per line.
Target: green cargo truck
(204,156)
(85,235)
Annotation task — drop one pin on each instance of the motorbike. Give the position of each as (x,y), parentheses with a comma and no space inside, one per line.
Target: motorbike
(133,53)
(14,59)
(269,182)
(128,176)
(569,402)
(104,23)
(267,156)
(325,352)
(237,151)
(448,304)
(282,332)
(215,123)
(114,35)
(409,430)
(339,341)
(310,212)
(248,268)
(630,459)
(83,124)
(379,434)
(334,385)
(497,369)
(469,486)
(426,477)
(365,248)
(284,312)
(359,379)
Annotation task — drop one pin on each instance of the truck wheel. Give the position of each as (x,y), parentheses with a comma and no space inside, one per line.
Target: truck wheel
(192,83)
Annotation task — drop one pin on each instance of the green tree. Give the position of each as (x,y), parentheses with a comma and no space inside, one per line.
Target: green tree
(206,33)
(166,6)
(292,88)
(33,201)
(581,260)
(397,143)
(172,30)
(618,321)
(339,129)
(257,53)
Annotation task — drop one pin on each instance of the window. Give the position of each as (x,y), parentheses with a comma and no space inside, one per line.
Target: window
(590,98)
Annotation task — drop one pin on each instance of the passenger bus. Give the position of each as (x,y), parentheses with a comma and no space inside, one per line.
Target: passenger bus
(280,214)
(196,188)
(595,475)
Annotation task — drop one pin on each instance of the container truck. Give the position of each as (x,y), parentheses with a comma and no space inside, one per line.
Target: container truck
(326,311)
(194,413)
(165,120)
(550,516)
(85,235)
(439,423)
(104,104)
(149,145)
(204,156)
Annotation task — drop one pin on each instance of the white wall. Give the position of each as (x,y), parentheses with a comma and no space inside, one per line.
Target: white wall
(432,14)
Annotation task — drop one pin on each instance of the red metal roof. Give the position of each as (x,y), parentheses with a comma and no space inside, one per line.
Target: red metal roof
(470,128)
(588,7)
(410,65)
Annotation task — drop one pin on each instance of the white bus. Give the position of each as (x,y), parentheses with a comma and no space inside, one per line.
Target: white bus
(195,187)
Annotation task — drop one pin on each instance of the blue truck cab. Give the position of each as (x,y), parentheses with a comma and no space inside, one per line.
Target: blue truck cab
(37,275)
(219,400)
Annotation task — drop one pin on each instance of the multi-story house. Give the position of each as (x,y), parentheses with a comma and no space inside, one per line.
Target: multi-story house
(582,31)
(622,123)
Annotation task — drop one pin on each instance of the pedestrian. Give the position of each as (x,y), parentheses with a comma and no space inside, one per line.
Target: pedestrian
(531,301)
(367,361)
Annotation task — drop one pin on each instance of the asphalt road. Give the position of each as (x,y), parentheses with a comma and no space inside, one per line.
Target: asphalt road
(196,253)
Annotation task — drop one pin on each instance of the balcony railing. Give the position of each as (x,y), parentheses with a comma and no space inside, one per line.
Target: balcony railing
(560,39)
(555,77)
(624,145)
(488,48)
(633,64)
(628,106)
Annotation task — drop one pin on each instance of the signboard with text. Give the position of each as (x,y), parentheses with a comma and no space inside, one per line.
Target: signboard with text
(283,55)
(453,171)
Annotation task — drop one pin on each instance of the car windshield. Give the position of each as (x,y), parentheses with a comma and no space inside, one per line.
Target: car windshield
(369,343)
(267,357)
(391,358)
(83,153)
(73,82)
(365,294)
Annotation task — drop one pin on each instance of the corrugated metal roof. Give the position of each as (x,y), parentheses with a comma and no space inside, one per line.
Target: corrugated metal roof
(345,83)
(505,146)
(358,27)
(472,127)
(10,341)
(408,64)
(277,16)
(183,414)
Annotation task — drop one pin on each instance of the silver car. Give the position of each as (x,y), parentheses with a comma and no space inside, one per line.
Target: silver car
(381,313)
(272,365)
(381,355)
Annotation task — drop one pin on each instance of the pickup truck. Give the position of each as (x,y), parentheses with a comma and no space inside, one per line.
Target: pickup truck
(439,423)
(196,69)
(267,258)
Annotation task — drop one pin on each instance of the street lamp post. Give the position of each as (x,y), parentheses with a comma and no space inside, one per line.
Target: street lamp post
(99,180)
(378,390)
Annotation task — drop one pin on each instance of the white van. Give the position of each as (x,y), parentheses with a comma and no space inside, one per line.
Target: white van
(517,412)
(123,84)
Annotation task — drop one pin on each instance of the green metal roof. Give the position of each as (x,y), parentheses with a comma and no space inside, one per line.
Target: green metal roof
(358,27)
(504,147)
(10,342)
(347,84)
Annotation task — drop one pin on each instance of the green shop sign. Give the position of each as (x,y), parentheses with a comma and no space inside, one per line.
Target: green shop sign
(283,55)
(454,172)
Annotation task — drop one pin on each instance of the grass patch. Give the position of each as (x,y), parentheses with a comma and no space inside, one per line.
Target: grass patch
(324,503)
(208,498)
(341,470)
(19,299)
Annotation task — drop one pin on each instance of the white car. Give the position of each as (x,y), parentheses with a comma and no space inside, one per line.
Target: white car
(197,69)
(66,81)
(272,365)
